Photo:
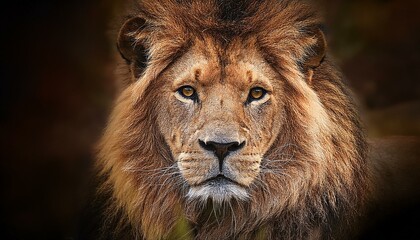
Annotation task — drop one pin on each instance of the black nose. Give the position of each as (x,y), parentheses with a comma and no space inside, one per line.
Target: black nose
(221,150)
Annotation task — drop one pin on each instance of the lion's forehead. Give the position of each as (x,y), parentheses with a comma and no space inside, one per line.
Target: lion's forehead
(238,66)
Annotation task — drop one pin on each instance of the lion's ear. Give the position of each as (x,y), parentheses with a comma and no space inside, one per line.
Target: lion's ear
(316,54)
(131,45)
(318,50)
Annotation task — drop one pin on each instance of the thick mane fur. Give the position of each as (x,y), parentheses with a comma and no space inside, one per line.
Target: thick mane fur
(173,25)
(317,183)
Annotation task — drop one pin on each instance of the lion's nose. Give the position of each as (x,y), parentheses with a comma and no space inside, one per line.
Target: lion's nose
(221,150)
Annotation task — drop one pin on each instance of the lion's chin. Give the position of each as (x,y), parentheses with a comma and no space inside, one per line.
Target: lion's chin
(219,190)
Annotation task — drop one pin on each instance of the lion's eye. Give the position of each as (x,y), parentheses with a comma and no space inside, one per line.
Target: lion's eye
(256,94)
(187,92)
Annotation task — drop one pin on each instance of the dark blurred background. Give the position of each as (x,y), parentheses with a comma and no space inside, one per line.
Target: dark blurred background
(57,88)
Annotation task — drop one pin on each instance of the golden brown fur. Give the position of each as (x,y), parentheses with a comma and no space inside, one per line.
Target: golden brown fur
(301,173)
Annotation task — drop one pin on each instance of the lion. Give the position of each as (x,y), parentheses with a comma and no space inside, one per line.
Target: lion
(233,123)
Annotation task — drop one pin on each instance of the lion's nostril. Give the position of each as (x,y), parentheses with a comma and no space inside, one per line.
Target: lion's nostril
(221,150)
(207,146)
(236,146)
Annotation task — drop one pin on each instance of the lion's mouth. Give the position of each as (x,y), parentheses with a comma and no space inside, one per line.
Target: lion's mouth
(219,180)
(219,188)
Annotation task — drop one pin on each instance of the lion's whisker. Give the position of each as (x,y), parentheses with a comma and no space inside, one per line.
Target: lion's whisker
(275,171)
(215,213)
(267,162)
(233,217)
(138,170)
(262,185)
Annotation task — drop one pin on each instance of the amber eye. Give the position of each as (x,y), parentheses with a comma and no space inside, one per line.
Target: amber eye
(256,94)
(187,92)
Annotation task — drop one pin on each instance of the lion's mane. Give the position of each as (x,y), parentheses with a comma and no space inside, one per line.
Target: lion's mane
(317,193)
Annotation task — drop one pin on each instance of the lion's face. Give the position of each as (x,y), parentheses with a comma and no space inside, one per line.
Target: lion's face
(219,114)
